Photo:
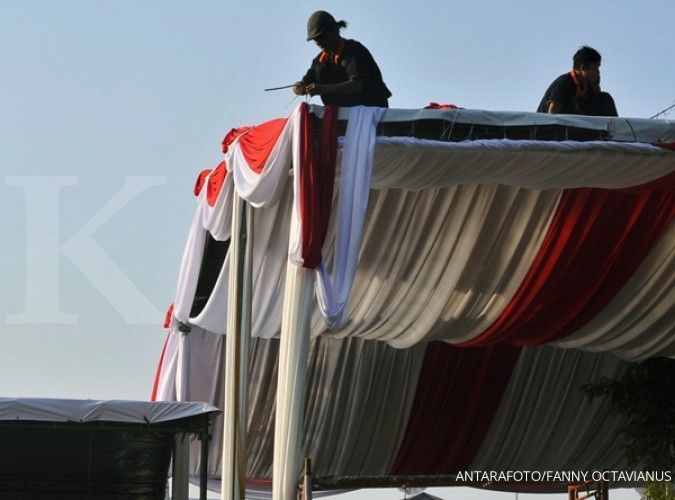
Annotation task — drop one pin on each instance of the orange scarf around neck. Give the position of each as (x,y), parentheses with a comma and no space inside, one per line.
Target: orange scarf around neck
(325,55)
(580,84)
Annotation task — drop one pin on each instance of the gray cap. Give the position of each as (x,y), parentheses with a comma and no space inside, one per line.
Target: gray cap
(318,23)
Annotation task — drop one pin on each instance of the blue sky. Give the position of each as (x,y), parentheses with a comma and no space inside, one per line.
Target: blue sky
(105,99)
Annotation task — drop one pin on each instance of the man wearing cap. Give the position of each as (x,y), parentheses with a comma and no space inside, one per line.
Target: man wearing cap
(578,92)
(344,73)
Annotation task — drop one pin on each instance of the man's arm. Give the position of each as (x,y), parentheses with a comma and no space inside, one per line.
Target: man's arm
(301,86)
(560,96)
(554,107)
(351,86)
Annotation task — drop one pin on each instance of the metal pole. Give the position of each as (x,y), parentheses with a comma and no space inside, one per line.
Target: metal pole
(232,472)
(181,456)
(181,463)
(307,482)
(291,381)
(204,461)
(246,322)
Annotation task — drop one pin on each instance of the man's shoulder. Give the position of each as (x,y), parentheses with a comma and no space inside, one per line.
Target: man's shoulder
(562,90)
(355,47)
(315,61)
(564,79)
(562,87)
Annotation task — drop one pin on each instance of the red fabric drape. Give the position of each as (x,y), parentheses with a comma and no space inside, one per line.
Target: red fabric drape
(168,316)
(201,179)
(258,142)
(215,183)
(596,241)
(458,393)
(436,105)
(232,135)
(316,183)
(666,145)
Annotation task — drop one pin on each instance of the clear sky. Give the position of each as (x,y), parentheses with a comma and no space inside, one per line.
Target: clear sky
(110,109)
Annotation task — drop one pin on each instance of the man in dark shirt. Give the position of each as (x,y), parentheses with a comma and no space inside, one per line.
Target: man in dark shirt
(344,73)
(578,92)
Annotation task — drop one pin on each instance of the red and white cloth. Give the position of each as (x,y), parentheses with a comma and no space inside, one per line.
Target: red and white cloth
(477,242)
(494,246)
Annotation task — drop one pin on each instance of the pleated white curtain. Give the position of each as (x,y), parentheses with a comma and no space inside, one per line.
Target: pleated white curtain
(645,304)
(360,394)
(410,163)
(358,385)
(451,287)
(435,250)
(449,232)
(544,421)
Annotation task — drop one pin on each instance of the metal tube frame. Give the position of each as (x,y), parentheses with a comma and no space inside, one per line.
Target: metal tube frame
(237,344)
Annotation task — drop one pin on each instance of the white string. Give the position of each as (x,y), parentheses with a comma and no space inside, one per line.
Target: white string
(291,102)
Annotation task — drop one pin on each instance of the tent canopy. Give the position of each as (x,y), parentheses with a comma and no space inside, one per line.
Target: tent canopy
(539,249)
(475,242)
(71,449)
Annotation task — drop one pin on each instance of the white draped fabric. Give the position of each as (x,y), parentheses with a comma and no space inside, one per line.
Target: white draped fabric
(332,290)
(293,351)
(464,277)
(430,241)
(409,163)
(459,282)
(235,386)
(487,226)
(360,394)
(352,384)
(545,422)
(453,286)
(269,268)
(263,189)
(645,304)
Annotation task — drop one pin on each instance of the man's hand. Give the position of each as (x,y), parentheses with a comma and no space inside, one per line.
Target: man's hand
(349,87)
(314,89)
(300,88)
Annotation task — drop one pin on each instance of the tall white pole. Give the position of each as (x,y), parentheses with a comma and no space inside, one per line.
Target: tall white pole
(246,322)
(293,352)
(233,463)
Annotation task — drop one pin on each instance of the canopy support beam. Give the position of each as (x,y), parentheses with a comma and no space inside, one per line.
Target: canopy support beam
(181,468)
(237,343)
(204,437)
(332,483)
(293,353)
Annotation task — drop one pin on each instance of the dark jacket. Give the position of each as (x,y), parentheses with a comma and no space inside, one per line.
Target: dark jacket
(563,90)
(353,61)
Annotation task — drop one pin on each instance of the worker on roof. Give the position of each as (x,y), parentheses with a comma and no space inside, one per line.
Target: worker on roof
(344,73)
(578,92)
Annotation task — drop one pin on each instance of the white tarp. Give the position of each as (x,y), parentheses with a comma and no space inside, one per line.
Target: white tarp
(83,411)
